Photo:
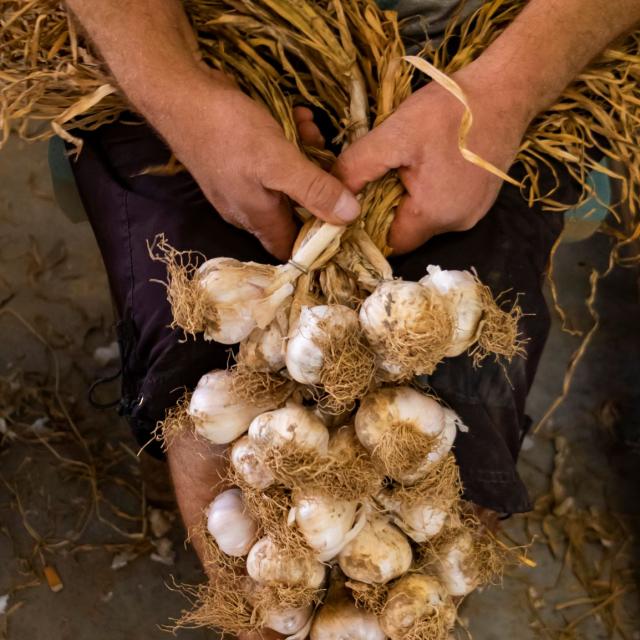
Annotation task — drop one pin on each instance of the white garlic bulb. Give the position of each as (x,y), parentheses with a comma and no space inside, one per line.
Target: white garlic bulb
(418,519)
(461,293)
(378,554)
(217,414)
(382,412)
(228,522)
(413,598)
(339,618)
(245,460)
(268,564)
(316,328)
(395,319)
(323,521)
(456,566)
(288,621)
(239,293)
(293,424)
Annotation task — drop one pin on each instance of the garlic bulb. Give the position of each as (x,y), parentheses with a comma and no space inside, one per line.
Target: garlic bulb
(245,460)
(240,294)
(267,564)
(293,424)
(339,618)
(456,565)
(407,327)
(420,520)
(378,554)
(217,415)
(324,522)
(288,621)
(264,349)
(413,599)
(462,295)
(388,422)
(316,328)
(233,529)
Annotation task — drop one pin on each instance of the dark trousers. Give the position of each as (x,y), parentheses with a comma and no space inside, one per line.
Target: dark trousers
(509,248)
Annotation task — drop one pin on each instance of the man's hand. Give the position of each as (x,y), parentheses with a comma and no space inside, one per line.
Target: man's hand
(444,191)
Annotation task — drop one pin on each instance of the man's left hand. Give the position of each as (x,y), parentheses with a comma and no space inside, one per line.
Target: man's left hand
(445,192)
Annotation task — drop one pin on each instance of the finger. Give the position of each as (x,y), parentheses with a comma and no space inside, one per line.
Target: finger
(410,227)
(319,192)
(369,158)
(310,134)
(302,114)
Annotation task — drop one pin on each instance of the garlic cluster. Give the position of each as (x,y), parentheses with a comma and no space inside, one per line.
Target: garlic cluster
(413,599)
(316,328)
(378,554)
(228,522)
(462,297)
(245,295)
(216,412)
(267,564)
(391,420)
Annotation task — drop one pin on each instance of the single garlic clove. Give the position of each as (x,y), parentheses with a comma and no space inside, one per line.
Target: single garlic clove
(217,414)
(246,462)
(228,522)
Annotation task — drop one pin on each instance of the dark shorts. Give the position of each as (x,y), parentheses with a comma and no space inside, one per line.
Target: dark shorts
(509,248)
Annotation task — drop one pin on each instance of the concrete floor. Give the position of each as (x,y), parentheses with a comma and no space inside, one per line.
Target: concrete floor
(74,501)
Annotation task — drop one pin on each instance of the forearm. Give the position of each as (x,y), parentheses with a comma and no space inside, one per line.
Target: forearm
(548,45)
(197,469)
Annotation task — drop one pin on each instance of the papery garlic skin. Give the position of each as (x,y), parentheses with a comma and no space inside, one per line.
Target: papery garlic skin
(378,554)
(288,621)
(323,521)
(228,522)
(456,566)
(246,462)
(393,309)
(461,293)
(264,349)
(239,292)
(267,564)
(293,424)
(381,411)
(420,520)
(315,328)
(217,414)
(413,598)
(342,620)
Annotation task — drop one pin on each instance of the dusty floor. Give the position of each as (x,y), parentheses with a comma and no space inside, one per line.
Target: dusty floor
(72,499)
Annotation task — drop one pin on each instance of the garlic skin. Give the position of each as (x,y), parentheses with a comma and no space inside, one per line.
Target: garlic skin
(293,424)
(456,566)
(245,460)
(421,521)
(382,410)
(288,621)
(314,328)
(264,349)
(462,296)
(413,598)
(392,309)
(239,292)
(378,554)
(266,564)
(324,522)
(233,529)
(217,415)
(340,619)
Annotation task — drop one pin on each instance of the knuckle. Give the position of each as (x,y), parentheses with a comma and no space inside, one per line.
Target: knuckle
(320,192)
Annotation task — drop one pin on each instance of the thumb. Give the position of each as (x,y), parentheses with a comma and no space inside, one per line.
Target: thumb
(311,187)
(369,158)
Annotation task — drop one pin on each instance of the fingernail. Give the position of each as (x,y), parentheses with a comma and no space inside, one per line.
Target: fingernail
(347,208)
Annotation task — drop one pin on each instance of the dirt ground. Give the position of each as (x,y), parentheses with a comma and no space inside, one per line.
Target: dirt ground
(73,504)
